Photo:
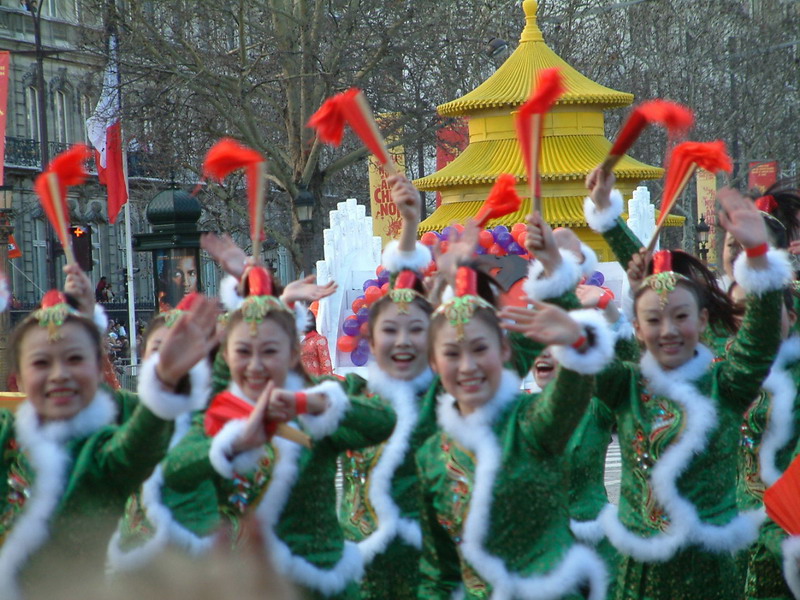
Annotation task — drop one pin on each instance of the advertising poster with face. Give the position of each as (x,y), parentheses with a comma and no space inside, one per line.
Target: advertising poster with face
(176,275)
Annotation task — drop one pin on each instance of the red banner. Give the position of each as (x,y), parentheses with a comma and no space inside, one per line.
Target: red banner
(762,175)
(451,140)
(5,64)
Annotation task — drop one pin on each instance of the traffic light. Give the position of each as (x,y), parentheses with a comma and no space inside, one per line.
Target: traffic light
(82,245)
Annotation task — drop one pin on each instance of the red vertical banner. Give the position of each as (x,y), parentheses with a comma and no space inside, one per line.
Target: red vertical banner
(451,140)
(762,175)
(5,65)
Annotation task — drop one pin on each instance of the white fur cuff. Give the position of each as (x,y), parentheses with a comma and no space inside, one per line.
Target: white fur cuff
(589,264)
(396,260)
(168,405)
(221,454)
(599,354)
(301,317)
(791,555)
(562,280)
(99,317)
(761,281)
(603,220)
(325,423)
(229,293)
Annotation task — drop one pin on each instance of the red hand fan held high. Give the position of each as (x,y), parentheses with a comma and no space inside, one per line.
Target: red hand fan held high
(502,200)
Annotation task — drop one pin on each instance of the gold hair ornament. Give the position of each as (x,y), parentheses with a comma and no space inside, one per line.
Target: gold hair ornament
(460,309)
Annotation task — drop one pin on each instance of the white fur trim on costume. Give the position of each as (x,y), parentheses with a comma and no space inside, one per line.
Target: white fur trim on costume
(169,405)
(791,558)
(43,445)
(780,426)
(590,532)
(222,456)
(578,565)
(760,281)
(395,260)
(562,280)
(229,293)
(284,475)
(686,527)
(301,317)
(598,355)
(99,317)
(403,397)
(589,264)
(605,219)
(325,423)
(165,528)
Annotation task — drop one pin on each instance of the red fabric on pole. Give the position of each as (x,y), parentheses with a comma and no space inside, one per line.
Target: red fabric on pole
(503,200)
(114,172)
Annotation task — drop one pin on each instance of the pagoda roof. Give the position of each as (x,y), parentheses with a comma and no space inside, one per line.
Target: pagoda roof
(511,83)
(566,157)
(566,211)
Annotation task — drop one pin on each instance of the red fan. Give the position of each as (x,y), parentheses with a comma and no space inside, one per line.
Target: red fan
(684,161)
(530,122)
(677,119)
(503,200)
(351,107)
(228,155)
(782,500)
(65,170)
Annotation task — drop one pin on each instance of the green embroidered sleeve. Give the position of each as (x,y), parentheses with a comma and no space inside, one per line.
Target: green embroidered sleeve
(187,464)
(750,356)
(126,402)
(623,242)
(367,422)
(440,573)
(552,416)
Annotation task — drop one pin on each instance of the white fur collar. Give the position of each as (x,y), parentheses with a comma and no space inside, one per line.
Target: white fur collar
(780,426)
(403,397)
(44,447)
(293,383)
(589,264)
(578,565)
(686,527)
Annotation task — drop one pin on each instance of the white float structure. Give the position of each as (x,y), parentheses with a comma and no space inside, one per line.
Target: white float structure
(352,254)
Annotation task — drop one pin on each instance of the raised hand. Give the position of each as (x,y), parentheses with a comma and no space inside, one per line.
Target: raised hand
(740,217)
(541,243)
(306,290)
(600,186)
(544,323)
(637,269)
(225,252)
(405,196)
(460,249)
(78,285)
(255,434)
(188,341)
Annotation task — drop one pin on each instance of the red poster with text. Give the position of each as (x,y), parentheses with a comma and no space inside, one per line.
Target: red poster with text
(762,175)
(5,64)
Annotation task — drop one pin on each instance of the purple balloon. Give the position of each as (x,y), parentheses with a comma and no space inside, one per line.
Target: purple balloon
(370,283)
(515,248)
(362,315)
(351,326)
(597,279)
(363,346)
(503,239)
(499,229)
(359,358)
(480,250)
(449,232)
(383,277)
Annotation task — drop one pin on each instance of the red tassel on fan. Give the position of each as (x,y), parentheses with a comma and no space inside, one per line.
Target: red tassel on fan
(529,120)
(782,499)
(351,107)
(225,157)
(676,118)
(65,170)
(503,200)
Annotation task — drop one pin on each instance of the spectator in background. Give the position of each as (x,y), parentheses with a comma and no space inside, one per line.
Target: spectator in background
(100,290)
(314,352)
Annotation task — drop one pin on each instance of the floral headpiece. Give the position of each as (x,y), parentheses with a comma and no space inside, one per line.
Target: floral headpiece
(187,302)
(465,302)
(257,282)
(663,280)
(52,313)
(767,204)
(403,290)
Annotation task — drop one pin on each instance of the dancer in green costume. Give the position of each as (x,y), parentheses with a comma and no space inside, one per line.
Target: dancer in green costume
(678,414)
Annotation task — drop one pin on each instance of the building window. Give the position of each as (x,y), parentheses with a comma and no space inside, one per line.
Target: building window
(62,126)
(32,111)
(86,112)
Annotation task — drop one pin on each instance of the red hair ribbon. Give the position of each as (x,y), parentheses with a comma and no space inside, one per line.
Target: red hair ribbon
(767,204)
(466,282)
(503,200)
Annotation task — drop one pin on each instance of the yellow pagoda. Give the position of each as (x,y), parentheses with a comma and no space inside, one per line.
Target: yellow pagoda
(573,143)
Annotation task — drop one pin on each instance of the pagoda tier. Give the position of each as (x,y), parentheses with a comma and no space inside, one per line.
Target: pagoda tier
(573,143)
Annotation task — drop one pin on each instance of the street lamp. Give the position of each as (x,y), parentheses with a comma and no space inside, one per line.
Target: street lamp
(6,206)
(304,204)
(702,229)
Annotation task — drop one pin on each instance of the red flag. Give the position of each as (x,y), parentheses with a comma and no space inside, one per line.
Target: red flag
(105,132)
(503,200)
(13,248)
